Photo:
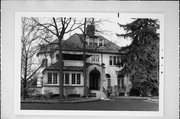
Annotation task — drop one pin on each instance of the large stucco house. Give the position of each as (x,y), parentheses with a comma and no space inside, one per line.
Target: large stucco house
(102,72)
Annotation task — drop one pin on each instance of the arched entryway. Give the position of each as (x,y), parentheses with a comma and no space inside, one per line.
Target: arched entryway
(94,80)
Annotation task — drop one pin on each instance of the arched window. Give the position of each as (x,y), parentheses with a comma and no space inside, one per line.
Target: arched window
(120,81)
(108,77)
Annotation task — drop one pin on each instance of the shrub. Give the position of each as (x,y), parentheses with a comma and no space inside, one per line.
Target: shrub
(135,92)
(49,94)
(73,95)
(55,96)
(121,93)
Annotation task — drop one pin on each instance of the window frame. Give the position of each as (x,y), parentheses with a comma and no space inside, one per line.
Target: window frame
(78,79)
(51,79)
(113,60)
(67,79)
(55,79)
(95,59)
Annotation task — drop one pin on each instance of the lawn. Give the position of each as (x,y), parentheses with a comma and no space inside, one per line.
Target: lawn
(118,105)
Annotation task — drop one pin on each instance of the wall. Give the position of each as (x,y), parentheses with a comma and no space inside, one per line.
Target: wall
(73,63)
(111,70)
(67,90)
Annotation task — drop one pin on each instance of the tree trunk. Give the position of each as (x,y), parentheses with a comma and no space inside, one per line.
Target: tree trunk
(24,91)
(84,60)
(25,78)
(61,81)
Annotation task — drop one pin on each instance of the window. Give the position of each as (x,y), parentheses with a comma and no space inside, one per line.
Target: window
(108,77)
(90,42)
(93,42)
(113,60)
(49,78)
(44,62)
(54,78)
(100,42)
(95,58)
(120,82)
(66,78)
(110,60)
(73,78)
(78,78)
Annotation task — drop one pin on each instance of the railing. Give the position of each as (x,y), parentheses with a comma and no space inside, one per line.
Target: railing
(104,91)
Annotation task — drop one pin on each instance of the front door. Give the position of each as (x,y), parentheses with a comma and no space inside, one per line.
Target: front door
(94,78)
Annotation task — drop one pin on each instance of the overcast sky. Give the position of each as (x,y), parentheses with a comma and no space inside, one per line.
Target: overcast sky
(111,28)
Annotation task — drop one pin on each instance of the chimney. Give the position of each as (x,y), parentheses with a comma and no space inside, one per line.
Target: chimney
(91,29)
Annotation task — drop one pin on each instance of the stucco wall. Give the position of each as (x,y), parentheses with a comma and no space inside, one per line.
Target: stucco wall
(73,63)
(67,90)
(111,70)
(103,58)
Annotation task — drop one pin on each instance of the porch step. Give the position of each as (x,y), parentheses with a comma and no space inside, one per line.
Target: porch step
(99,94)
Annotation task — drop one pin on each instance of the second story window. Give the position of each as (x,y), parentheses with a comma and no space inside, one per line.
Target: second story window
(90,42)
(93,42)
(95,59)
(101,42)
(113,60)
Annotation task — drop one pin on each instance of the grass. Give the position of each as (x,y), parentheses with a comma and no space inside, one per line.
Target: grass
(115,105)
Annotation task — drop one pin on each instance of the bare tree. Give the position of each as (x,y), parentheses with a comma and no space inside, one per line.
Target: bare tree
(58,27)
(29,49)
(88,30)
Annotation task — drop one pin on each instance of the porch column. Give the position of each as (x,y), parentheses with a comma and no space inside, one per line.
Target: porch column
(102,78)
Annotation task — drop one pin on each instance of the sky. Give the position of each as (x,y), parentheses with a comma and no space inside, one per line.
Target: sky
(114,29)
(111,28)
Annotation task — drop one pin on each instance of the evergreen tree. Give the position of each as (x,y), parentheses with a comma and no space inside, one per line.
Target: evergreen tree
(141,58)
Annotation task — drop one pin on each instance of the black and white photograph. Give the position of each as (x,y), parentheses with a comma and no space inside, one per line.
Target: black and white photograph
(98,63)
(93,59)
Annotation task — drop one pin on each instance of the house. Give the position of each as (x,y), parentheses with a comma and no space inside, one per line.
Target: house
(102,56)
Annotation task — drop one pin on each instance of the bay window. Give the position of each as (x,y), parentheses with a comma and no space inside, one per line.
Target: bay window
(69,78)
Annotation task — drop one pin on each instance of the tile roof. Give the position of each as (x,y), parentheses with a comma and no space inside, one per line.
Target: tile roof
(74,43)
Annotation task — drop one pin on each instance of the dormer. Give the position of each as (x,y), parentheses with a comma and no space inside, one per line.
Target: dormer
(95,42)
